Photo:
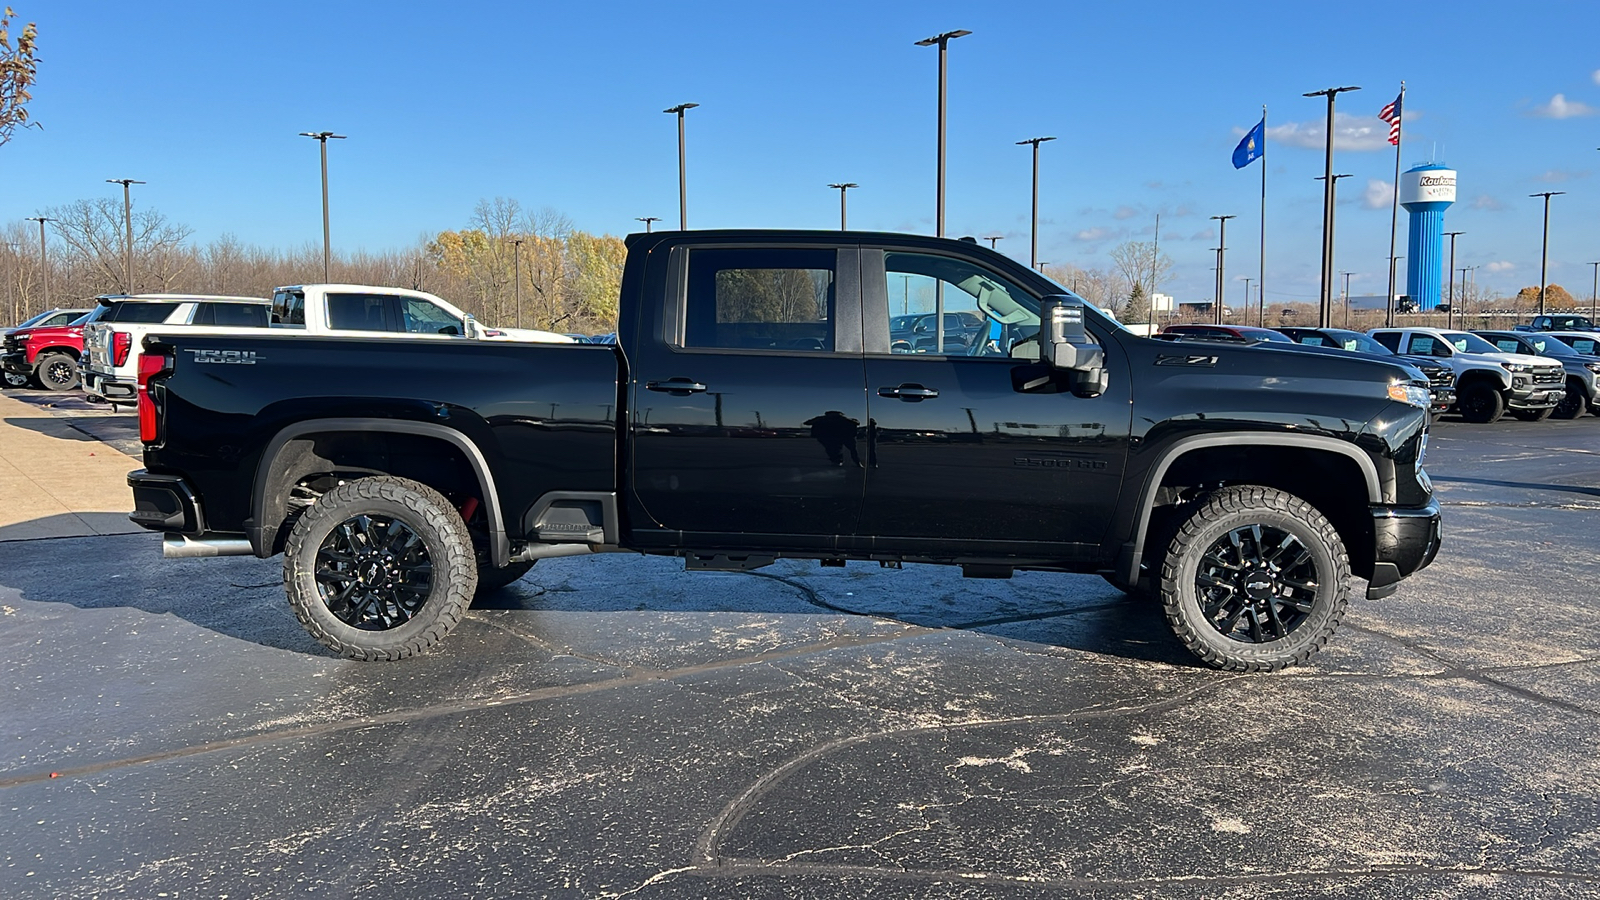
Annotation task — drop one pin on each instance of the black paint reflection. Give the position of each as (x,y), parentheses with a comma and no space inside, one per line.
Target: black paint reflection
(836,433)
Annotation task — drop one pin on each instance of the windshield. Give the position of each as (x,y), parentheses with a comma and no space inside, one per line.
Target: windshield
(1357,342)
(32,320)
(1469,343)
(1551,347)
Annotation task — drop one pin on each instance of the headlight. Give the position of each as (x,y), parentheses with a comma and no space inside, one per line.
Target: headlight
(1593,367)
(1517,367)
(1414,394)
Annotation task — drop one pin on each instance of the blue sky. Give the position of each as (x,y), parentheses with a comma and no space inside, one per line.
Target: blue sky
(559,105)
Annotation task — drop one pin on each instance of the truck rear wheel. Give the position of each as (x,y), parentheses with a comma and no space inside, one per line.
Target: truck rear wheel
(380,568)
(56,372)
(1480,403)
(1255,579)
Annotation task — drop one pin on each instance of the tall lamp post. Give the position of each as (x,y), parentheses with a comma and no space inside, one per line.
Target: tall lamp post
(127,219)
(44,260)
(1222,249)
(322,138)
(943,41)
(683,166)
(1033,254)
(1544,253)
(1450,291)
(1594,293)
(1346,296)
(1448,316)
(1325,314)
(841,187)
(516,281)
(993,239)
(1327,203)
(647,220)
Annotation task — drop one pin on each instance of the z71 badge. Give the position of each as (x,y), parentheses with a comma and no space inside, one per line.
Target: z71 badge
(226,357)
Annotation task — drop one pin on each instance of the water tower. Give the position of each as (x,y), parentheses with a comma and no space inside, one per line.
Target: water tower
(1426,192)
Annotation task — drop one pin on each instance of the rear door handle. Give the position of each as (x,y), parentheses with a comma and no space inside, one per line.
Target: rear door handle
(911,393)
(675,386)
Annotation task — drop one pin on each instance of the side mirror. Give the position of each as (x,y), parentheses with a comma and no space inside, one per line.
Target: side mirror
(1067,348)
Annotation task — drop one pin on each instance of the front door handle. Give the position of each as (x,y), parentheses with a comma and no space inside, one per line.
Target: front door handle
(912,393)
(675,386)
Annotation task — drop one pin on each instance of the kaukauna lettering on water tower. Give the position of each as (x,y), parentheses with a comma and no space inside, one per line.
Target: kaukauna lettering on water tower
(1426,192)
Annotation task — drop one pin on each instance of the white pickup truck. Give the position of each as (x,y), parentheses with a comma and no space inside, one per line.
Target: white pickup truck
(111,369)
(355,310)
(114,332)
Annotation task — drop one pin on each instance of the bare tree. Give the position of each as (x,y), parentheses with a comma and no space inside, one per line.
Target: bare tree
(1140,265)
(19,69)
(94,234)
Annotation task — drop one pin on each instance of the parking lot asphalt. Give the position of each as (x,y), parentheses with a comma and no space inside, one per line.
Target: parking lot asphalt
(614,726)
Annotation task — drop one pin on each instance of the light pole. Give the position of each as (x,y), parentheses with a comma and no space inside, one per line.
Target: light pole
(322,138)
(1033,254)
(516,255)
(647,220)
(1245,309)
(1325,314)
(1222,248)
(1451,313)
(943,40)
(683,167)
(127,218)
(842,187)
(1346,298)
(1544,254)
(1594,293)
(993,239)
(44,260)
(1450,292)
(1327,202)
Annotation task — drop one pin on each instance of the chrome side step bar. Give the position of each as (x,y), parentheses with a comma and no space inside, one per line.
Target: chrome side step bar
(182,546)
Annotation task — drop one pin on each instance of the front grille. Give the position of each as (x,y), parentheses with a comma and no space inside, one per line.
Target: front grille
(1441,378)
(12,344)
(1549,376)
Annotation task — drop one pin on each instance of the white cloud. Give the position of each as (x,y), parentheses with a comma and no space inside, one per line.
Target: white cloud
(1558,176)
(1378,195)
(1356,133)
(1501,266)
(1597,76)
(1092,234)
(1486,202)
(1560,107)
(1125,212)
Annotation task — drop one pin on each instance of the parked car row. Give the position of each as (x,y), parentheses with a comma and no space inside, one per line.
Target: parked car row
(1531,372)
(96,346)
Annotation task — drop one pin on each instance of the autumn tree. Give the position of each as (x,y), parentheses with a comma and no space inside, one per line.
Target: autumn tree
(1555,297)
(18,71)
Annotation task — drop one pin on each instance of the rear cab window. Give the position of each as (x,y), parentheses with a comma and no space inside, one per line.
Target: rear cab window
(775,299)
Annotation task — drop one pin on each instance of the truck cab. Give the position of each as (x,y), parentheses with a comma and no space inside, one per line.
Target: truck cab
(359,310)
(119,323)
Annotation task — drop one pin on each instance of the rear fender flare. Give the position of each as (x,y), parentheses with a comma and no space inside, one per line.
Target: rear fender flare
(499,544)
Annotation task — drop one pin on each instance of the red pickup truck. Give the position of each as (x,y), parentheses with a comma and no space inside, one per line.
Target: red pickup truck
(47,356)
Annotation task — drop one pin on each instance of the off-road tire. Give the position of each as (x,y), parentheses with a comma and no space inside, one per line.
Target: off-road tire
(491,579)
(1533,415)
(1216,516)
(1480,403)
(448,546)
(1574,404)
(56,372)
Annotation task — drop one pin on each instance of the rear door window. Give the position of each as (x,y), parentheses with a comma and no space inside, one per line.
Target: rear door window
(760,299)
(1425,345)
(289,308)
(361,312)
(231,315)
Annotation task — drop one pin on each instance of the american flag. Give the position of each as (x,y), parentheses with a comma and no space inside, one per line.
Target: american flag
(1391,114)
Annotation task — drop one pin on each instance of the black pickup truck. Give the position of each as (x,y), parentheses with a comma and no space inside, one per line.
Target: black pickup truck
(754,408)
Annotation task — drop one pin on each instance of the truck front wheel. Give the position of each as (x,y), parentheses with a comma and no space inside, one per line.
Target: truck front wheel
(380,568)
(1481,403)
(56,372)
(1255,579)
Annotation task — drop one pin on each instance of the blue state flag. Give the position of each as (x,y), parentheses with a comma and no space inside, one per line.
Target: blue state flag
(1253,147)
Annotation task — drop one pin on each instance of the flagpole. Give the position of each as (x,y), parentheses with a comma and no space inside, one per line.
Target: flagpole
(1394,206)
(1261,276)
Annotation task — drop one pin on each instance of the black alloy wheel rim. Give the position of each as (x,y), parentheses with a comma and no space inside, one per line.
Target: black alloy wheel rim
(1571,405)
(374,572)
(1475,403)
(1256,584)
(59,372)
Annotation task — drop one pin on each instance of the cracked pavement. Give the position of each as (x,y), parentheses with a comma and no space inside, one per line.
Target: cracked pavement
(614,726)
